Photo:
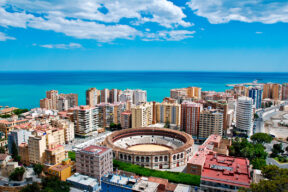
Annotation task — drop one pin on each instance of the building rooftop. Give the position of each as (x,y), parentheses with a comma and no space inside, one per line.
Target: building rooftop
(146,186)
(182,188)
(83,179)
(226,170)
(95,149)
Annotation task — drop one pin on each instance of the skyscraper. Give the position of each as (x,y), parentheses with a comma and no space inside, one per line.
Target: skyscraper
(92,97)
(140,96)
(53,95)
(190,117)
(168,112)
(85,119)
(105,95)
(285,91)
(244,115)
(256,94)
(142,115)
(211,122)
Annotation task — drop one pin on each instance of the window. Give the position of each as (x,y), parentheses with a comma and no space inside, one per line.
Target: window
(147,159)
(156,159)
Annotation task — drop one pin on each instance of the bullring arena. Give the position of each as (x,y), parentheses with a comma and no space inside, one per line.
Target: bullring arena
(155,148)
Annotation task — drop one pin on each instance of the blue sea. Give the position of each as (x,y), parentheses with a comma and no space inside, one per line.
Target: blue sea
(25,89)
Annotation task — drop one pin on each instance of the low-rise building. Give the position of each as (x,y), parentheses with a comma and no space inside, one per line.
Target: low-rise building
(94,161)
(62,170)
(84,183)
(213,144)
(224,173)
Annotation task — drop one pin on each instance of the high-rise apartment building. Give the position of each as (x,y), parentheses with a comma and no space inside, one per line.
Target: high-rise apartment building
(168,112)
(93,97)
(194,92)
(105,96)
(272,91)
(125,119)
(211,122)
(140,96)
(285,91)
(72,99)
(190,117)
(57,101)
(36,149)
(142,115)
(276,91)
(177,93)
(46,104)
(126,96)
(114,95)
(256,94)
(85,119)
(68,127)
(53,95)
(18,136)
(62,104)
(94,161)
(244,115)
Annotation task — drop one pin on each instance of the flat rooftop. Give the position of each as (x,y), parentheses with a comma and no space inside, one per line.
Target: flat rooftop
(226,170)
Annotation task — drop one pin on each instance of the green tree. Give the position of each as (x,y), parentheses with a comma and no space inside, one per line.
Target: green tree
(261,138)
(253,151)
(2,150)
(20,111)
(276,150)
(72,155)
(277,180)
(17,174)
(256,116)
(14,152)
(54,184)
(258,163)
(38,168)
(34,187)
(167,124)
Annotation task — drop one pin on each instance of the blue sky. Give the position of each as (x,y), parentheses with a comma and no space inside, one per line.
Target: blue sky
(186,35)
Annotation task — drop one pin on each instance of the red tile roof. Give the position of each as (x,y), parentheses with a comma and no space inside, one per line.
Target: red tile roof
(226,170)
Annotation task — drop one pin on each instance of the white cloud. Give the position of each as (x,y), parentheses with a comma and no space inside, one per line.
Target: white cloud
(4,37)
(258,32)
(163,12)
(85,19)
(223,11)
(61,46)
(174,35)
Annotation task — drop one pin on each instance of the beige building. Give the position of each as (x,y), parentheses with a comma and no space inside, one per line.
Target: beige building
(126,119)
(53,95)
(142,115)
(272,91)
(94,161)
(54,154)
(168,112)
(85,119)
(46,103)
(93,97)
(23,152)
(36,149)
(194,92)
(211,122)
(68,127)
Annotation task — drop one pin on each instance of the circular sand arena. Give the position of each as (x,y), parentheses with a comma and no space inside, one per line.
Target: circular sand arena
(148,147)
(151,147)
